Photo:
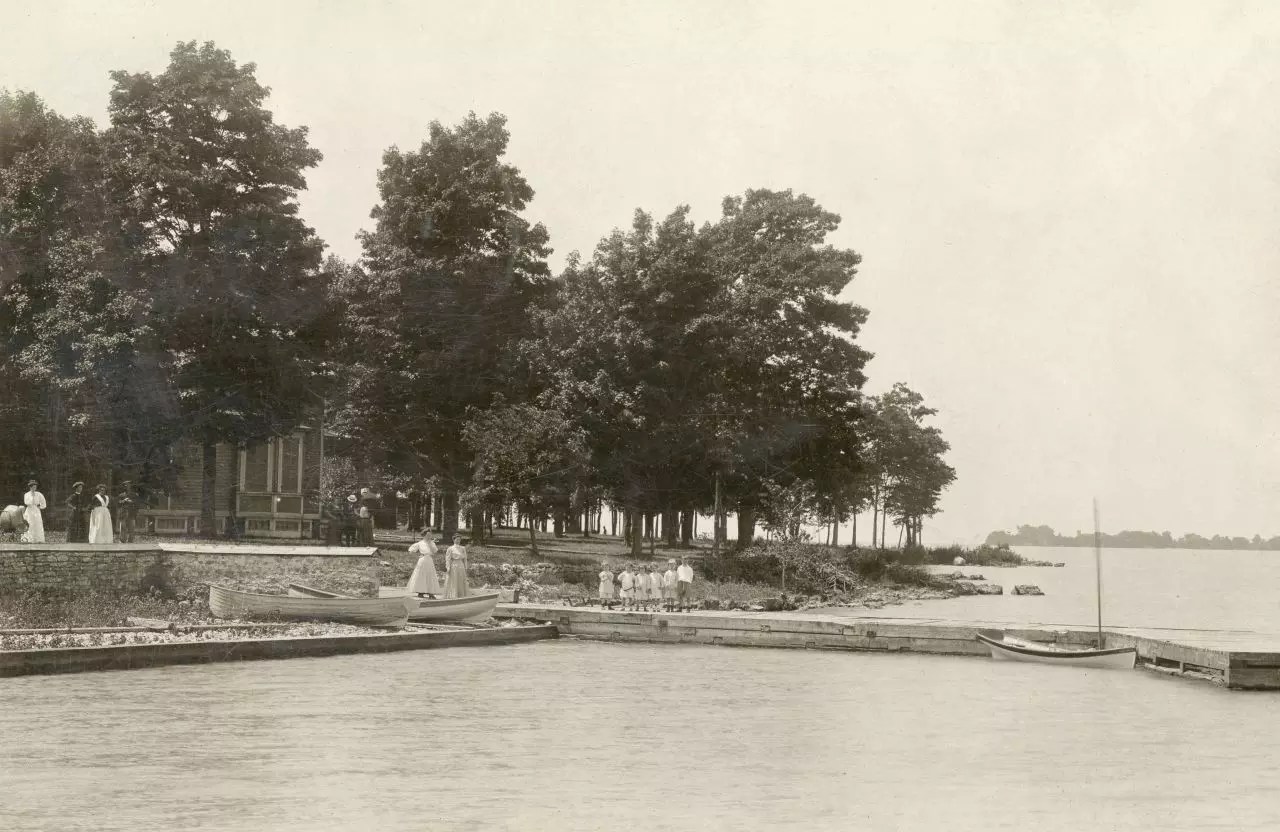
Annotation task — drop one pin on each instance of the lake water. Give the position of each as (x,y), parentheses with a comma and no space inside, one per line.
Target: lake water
(1179,590)
(574,735)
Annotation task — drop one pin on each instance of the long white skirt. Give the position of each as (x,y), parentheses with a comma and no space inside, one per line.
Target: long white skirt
(424,578)
(100,525)
(35,526)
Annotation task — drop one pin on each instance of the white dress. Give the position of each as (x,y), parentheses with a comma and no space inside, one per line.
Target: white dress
(424,579)
(100,520)
(34,502)
(606,585)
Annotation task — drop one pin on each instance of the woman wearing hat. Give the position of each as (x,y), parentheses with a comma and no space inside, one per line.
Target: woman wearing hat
(77,515)
(100,517)
(34,502)
(424,580)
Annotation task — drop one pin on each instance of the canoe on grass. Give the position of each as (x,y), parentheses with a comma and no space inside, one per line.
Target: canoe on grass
(370,612)
(471,608)
(1007,649)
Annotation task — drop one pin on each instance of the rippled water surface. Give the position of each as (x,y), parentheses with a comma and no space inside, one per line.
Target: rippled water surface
(588,736)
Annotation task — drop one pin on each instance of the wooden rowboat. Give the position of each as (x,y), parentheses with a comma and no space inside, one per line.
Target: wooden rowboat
(370,612)
(1014,650)
(471,608)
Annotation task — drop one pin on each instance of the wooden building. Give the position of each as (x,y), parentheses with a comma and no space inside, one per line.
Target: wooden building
(267,489)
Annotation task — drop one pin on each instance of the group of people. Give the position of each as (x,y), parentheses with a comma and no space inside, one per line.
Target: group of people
(351,523)
(91,518)
(425,583)
(640,588)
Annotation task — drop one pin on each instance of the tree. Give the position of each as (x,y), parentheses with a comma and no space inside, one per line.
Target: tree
(527,455)
(451,269)
(906,456)
(209,183)
(69,329)
(792,371)
(628,346)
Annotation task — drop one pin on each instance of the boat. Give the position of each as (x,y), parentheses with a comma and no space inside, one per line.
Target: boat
(1015,650)
(225,602)
(470,608)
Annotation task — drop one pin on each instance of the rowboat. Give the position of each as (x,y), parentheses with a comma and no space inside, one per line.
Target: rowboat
(1014,650)
(371,612)
(470,608)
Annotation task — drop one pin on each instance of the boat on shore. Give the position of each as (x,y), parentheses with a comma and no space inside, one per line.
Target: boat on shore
(225,602)
(422,610)
(1014,650)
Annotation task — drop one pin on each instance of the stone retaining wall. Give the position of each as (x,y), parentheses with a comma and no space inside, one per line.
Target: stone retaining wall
(181,569)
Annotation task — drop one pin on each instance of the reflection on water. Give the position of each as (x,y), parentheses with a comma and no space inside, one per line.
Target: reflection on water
(587,736)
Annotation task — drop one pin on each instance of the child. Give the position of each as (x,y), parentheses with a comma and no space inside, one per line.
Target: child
(669,586)
(642,588)
(606,585)
(627,580)
(655,586)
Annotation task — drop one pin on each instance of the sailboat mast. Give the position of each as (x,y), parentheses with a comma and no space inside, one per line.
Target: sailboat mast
(1097,565)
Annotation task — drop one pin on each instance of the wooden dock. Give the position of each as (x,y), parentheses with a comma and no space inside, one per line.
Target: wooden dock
(1234,659)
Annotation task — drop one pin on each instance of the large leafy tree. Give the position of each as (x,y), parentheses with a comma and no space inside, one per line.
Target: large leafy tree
(791,370)
(528,455)
(208,185)
(906,456)
(449,273)
(625,349)
(68,329)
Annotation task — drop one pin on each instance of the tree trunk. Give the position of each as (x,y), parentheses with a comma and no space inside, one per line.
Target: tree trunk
(648,525)
(854,532)
(746,526)
(884,525)
(559,525)
(449,515)
(835,532)
(875,516)
(670,526)
(533,538)
(208,488)
(613,522)
(637,533)
(686,527)
(626,526)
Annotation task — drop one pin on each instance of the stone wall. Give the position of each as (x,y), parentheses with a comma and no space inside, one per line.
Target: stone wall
(181,570)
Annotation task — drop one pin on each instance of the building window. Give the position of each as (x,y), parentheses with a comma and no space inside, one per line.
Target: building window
(255,467)
(290,457)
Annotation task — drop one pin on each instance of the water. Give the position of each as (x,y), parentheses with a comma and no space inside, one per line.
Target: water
(576,735)
(1176,589)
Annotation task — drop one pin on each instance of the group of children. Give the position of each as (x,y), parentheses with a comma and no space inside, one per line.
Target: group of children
(638,588)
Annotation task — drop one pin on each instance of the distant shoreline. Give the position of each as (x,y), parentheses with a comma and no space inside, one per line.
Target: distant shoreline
(1044,536)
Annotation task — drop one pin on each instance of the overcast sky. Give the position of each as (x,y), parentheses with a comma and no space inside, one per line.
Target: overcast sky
(1067,211)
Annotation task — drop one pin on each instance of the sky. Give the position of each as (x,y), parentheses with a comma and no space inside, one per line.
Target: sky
(1067,211)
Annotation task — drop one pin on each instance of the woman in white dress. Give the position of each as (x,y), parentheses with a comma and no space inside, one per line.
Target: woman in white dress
(455,564)
(35,504)
(100,517)
(424,580)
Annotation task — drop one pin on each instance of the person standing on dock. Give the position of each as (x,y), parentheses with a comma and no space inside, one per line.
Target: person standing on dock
(100,517)
(684,584)
(606,585)
(126,513)
(628,584)
(77,514)
(655,586)
(455,561)
(34,506)
(424,580)
(641,582)
(669,586)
